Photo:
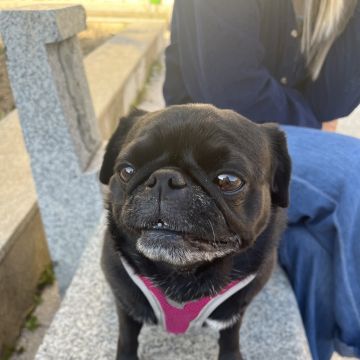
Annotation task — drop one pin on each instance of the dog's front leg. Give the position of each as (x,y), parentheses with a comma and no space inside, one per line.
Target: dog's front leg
(229,343)
(129,330)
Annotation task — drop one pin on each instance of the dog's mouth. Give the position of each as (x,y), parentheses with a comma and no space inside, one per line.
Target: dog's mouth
(160,242)
(164,227)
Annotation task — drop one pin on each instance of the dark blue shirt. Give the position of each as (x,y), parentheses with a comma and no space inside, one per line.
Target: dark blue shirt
(245,55)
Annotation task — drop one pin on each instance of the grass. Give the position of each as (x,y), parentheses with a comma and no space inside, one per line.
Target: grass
(9,351)
(31,322)
(46,278)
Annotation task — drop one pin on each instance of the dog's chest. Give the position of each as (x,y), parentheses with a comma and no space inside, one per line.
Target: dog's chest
(178,318)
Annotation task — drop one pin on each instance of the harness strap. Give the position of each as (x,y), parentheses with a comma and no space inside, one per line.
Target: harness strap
(179,318)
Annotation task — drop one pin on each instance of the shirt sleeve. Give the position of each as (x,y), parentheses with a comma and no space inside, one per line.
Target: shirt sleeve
(216,56)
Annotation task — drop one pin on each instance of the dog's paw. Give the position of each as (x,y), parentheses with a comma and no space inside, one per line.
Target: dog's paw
(126,356)
(231,356)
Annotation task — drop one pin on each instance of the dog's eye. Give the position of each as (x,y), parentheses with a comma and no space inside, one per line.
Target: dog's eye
(229,183)
(126,173)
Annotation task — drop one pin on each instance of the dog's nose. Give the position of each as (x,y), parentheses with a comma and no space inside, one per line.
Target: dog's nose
(166,180)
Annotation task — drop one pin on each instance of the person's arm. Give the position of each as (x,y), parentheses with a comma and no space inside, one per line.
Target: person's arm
(216,56)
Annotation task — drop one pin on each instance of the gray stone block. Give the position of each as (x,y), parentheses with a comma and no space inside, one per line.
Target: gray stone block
(57,118)
(85,328)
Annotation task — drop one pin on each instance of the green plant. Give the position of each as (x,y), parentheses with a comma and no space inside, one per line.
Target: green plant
(32,322)
(47,277)
(7,353)
(37,299)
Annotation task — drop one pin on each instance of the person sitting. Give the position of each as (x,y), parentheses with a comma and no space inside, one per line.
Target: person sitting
(297,64)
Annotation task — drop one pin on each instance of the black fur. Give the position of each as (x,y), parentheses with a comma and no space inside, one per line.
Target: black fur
(177,153)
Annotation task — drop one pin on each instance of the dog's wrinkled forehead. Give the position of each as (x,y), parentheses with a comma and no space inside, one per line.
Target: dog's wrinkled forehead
(212,137)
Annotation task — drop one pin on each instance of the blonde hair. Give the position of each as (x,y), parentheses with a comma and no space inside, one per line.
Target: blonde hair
(324,21)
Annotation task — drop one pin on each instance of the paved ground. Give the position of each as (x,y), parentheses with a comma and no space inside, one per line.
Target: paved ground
(30,340)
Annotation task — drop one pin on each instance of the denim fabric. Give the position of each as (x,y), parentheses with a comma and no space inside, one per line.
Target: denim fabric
(320,250)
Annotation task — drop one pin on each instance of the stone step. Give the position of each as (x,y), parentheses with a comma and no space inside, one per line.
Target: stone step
(85,327)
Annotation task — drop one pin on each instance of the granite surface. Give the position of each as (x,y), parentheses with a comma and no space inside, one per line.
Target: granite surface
(52,98)
(85,327)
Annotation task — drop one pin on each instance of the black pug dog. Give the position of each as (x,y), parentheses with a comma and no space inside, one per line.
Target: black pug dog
(196,199)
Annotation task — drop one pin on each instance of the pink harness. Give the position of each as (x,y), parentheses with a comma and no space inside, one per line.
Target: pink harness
(178,318)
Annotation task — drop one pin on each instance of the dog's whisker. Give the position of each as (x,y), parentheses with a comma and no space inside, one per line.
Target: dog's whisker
(213,232)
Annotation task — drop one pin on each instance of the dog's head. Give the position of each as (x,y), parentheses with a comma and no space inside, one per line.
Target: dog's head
(192,183)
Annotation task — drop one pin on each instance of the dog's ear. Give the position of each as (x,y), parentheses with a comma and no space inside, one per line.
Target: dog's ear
(115,143)
(281,165)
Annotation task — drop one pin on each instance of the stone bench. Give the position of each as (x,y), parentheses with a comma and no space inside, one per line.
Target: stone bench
(85,327)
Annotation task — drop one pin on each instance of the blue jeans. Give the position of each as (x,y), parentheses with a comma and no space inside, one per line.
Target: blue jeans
(320,250)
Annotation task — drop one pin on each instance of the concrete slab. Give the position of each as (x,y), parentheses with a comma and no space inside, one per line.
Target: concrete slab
(20,271)
(117,70)
(17,189)
(23,247)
